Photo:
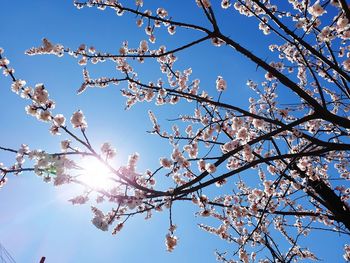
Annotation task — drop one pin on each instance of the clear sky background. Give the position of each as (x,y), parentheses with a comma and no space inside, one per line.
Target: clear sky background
(35,218)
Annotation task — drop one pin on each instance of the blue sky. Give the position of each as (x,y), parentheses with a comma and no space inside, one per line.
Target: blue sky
(36,219)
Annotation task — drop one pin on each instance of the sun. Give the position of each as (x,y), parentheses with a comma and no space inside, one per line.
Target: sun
(95,174)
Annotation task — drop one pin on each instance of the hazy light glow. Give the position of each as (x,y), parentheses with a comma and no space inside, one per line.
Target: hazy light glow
(95,174)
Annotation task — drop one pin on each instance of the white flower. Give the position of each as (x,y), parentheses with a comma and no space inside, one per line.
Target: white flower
(166,163)
(17,85)
(247,153)
(242,133)
(54,130)
(26,93)
(4,62)
(171,29)
(61,179)
(221,84)
(316,10)
(65,145)
(143,46)
(40,94)
(47,45)
(108,150)
(203,3)
(210,167)
(78,120)
(79,200)
(132,160)
(44,115)
(229,146)
(258,123)
(162,12)
(100,223)
(225,4)
(342,22)
(139,22)
(148,30)
(201,165)
(59,120)
(346,64)
(237,123)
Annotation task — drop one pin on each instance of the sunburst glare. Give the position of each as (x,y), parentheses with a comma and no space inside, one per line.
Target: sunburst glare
(95,174)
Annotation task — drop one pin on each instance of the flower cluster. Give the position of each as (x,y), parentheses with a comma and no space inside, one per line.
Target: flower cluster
(108,150)
(78,120)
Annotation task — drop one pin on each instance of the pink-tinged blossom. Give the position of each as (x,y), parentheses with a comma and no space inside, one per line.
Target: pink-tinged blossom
(237,123)
(143,46)
(258,123)
(170,242)
(153,119)
(132,160)
(220,183)
(247,153)
(272,169)
(139,3)
(342,23)
(117,228)
(243,256)
(41,95)
(54,130)
(346,64)
(26,92)
(17,85)
(44,115)
(61,179)
(79,200)
(4,62)
(201,165)
(242,134)
(203,3)
(162,13)
(3,181)
(46,48)
(92,50)
(148,30)
(316,10)
(65,145)
(221,84)
(171,29)
(205,213)
(8,71)
(24,149)
(217,42)
(210,168)
(152,39)
(108,150)
(229,146)
(225,4)
(100,222)
(59,120)
(139,22)
(78,120)
(166,163)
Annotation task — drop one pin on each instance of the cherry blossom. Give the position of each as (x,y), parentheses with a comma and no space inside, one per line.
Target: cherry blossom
(295,153)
